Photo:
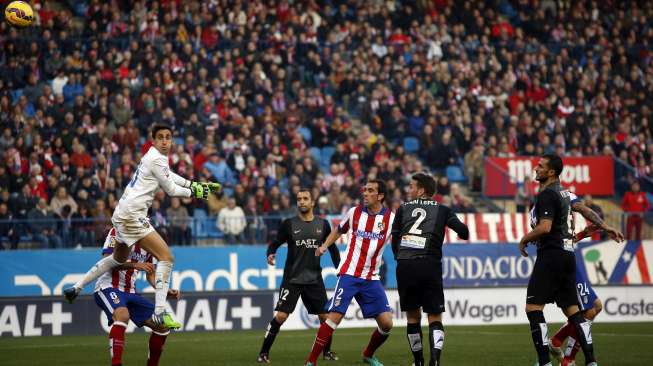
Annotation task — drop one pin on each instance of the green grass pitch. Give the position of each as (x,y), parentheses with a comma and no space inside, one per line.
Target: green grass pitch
(619,344)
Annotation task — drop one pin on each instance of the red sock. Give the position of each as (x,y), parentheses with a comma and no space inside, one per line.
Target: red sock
(117,342)
(377,339)
(576,347)
(157,340)
(323,337)
(562,333)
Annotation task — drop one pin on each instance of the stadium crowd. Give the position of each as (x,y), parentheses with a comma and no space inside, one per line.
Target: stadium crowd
(268,96)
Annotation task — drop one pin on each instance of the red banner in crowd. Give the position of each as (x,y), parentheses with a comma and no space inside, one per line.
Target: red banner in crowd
(499,227)
(587,175)
(489,227)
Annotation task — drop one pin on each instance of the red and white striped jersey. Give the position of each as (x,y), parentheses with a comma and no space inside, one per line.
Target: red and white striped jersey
(123,280)
(366,237)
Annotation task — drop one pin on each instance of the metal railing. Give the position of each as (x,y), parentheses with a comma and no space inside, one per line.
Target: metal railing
(625,174)
(206,230)
(195,230)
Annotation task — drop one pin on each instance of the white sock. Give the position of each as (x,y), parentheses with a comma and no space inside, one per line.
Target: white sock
(570,346)
(162,281)
(102,266)
(331,324)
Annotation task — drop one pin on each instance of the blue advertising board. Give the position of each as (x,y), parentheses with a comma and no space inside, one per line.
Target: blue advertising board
(244,267)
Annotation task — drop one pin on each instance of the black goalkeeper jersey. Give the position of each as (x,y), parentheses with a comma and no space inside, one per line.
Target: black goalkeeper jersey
(418,229)
(302,266)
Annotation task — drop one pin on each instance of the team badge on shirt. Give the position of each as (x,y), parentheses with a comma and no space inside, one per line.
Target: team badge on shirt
(381,226)
(144,222)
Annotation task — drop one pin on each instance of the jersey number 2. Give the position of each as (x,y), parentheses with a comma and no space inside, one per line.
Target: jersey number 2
(422,215)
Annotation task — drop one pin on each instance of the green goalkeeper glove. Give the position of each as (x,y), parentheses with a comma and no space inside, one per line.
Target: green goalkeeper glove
(214,187)
(199,190)
(202,190)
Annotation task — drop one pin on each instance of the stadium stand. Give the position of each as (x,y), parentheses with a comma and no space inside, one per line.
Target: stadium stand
(254,90)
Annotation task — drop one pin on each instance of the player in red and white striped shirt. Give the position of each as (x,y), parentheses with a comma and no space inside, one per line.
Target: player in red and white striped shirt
(115,293)
(120,278)
(367,227)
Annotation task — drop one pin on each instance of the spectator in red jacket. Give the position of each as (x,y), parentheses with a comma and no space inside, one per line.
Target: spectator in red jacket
(634,204)
(80,158)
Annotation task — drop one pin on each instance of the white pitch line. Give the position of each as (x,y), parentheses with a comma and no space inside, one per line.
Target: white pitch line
(357,334)
(180,340)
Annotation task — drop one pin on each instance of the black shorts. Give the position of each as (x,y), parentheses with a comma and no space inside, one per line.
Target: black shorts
(419,282)
(313,296)
(553,279)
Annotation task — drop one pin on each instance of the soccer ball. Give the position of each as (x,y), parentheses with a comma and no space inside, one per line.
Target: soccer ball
(19,14)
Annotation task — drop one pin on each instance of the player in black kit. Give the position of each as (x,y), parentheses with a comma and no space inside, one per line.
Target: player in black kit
(554,273)
(417,236)
(302,274)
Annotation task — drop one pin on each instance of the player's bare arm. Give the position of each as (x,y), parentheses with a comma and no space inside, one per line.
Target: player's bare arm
(542,228)
(593,217)
(333,236)
(271,259)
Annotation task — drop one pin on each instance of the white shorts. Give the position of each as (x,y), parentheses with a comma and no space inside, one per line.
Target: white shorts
(132,230)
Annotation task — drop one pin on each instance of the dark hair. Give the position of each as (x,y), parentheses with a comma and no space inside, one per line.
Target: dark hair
(554,162)
(425,182)
(381,187)
(305,189)
(158,127)
(65,210)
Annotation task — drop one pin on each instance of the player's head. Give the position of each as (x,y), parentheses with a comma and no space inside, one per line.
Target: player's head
(374,192)
(549,167)
(162,137)
(421,185)
(305,200)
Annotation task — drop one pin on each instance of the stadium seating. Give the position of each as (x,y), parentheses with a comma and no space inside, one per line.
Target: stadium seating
(16,94)
(200,223)
(306,134)
(411,145)
(325,156)
(211,228)
(455,174)
(316,153)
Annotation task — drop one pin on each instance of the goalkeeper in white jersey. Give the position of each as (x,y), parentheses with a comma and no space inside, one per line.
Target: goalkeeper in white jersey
(132,224)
